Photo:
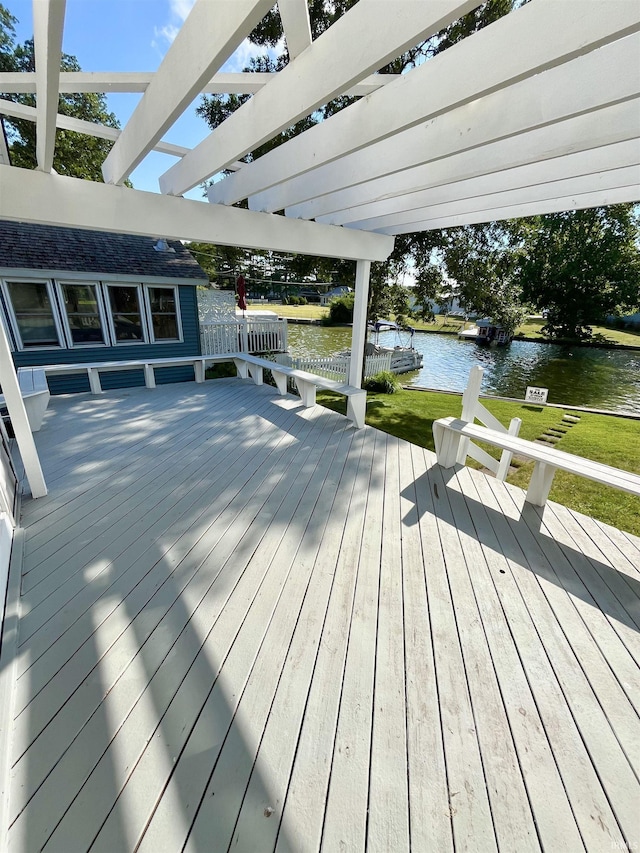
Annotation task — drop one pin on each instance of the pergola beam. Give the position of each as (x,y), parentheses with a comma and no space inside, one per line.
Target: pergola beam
(381,31)
(601,198)
(48,24)
(627,177)
(31,196)
(562,176)
(223,83)
(297,26)
(547,34)
(88,128)
(590,135)
(589,83)
(207,38)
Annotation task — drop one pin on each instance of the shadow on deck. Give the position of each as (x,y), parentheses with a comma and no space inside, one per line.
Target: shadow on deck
(245,625)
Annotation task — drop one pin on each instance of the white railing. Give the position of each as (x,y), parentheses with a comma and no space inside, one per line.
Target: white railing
(8,483)
(249,335)
(335,367)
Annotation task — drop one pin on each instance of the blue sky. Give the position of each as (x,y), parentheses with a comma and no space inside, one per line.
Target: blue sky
(129,35)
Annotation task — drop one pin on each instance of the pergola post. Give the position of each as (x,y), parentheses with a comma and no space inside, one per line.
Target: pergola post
(19,419)
(359,331)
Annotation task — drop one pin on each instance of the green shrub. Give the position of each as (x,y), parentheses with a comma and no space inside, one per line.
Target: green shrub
(341,309)
(384,382)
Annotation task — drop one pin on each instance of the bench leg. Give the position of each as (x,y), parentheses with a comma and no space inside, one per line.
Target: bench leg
(149,376)
(357,409)
(307,391)
(505,459)
(94,380)
(256,373)
(540,484)
(281,382)
(447,443)
(198,371)
(242,367)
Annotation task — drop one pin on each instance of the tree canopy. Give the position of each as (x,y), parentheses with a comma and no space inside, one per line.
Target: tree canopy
(580,266)
(77,155)
(413,254)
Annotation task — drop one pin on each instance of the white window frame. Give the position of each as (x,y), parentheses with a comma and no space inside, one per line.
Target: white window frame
(13,320)
(102,313)
(147,302)
(144,320)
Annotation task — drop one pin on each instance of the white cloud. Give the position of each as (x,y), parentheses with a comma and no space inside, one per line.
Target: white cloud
(165,34)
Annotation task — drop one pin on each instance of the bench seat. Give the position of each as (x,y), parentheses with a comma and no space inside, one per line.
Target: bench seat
(307,383)
(449,432)
(35,394)
(93,369)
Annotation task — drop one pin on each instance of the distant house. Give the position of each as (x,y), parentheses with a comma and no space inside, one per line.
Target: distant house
(71,296)
(335,292)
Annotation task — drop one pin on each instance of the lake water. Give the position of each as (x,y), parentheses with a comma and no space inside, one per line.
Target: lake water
(575,376)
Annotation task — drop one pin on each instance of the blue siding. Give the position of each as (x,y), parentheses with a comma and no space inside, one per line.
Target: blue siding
(126,378)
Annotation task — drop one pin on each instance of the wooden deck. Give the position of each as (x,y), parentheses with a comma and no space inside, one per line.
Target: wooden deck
(245,625)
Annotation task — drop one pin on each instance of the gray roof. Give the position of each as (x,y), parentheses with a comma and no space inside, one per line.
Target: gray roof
(45,247)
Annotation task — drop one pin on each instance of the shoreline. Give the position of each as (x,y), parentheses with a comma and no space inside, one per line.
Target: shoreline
(310,321)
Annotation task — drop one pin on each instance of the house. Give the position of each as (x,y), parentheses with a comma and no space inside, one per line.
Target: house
(335,293)
(70,296)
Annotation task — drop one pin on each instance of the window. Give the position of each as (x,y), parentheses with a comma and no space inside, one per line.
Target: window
(126,315)
(83,314)
(33,312)
(164,313)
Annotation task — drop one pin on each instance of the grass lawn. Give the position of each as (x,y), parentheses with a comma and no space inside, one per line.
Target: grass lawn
(308,312)
(614,441)
(601,334)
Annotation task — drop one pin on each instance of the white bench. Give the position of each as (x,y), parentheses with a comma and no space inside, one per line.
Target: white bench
(94,369)
(448,433)
(35,393)
(307,383)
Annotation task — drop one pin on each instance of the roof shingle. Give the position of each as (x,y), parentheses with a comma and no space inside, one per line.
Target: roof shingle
(45,247)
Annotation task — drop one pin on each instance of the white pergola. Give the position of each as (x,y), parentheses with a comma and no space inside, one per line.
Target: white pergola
(538,112)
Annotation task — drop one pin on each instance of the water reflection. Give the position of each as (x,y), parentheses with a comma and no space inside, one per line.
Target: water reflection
(577,376)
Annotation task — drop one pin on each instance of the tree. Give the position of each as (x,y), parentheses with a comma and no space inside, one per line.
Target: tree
(581,266)
(482,260)
(416,254)
(75,154)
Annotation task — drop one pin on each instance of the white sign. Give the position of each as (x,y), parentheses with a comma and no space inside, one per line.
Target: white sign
(536,395)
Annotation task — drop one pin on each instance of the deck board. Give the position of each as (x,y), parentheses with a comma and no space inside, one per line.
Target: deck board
(246,625)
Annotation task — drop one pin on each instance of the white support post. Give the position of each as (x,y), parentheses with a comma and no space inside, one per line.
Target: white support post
(198,370)
(19,419)
(359,331)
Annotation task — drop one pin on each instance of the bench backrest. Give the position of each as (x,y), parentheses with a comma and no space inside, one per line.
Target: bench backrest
(473,410)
